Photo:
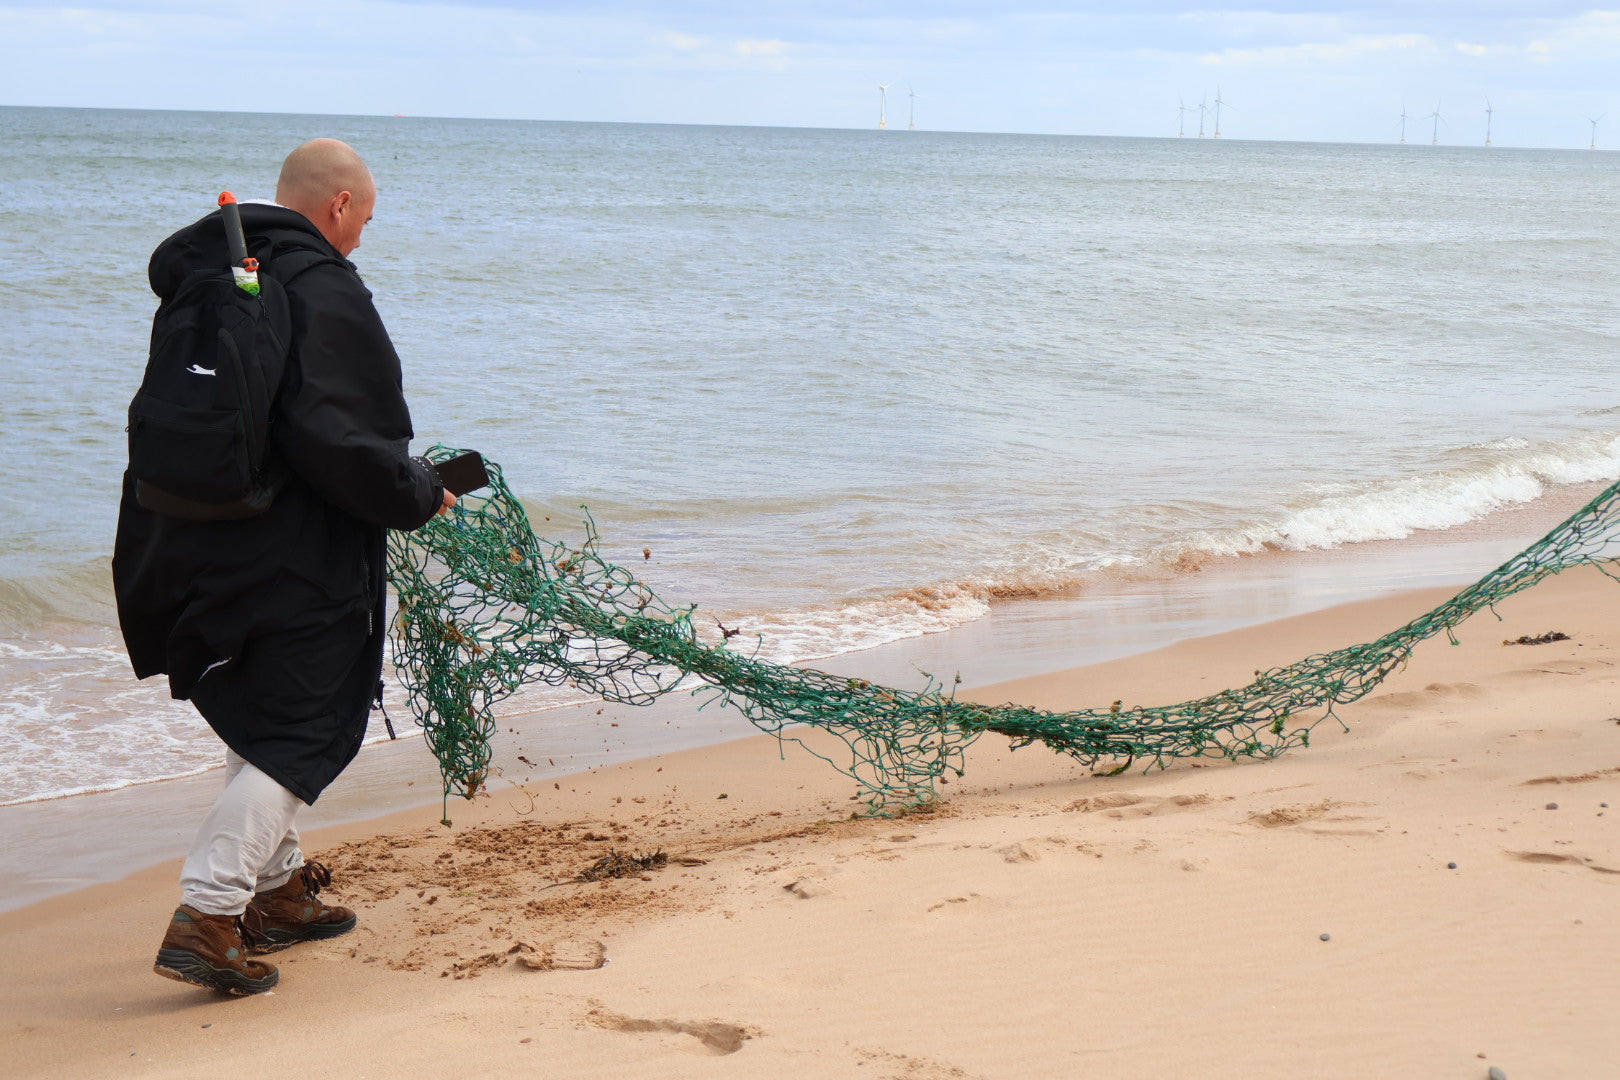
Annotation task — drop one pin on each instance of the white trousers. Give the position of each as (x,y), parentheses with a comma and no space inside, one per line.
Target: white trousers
(248,843)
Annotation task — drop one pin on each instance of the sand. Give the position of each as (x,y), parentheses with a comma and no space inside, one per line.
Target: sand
(1427,894)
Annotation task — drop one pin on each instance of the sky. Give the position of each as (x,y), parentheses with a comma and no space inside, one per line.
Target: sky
(1313,71)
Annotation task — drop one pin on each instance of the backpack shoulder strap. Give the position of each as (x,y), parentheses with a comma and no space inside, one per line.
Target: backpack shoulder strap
(284,268)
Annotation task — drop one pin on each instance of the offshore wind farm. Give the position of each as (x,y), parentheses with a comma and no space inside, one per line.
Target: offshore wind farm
(1436,117)
(1209,112)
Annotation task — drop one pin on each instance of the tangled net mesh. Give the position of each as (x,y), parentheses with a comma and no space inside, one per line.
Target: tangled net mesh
(486,607)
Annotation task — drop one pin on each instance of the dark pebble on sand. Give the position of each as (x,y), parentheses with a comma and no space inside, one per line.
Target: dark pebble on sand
(1451,866)
(1552,806)
(1327,937)
(1497,1074)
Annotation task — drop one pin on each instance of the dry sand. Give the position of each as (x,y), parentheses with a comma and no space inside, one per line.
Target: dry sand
(1283,919)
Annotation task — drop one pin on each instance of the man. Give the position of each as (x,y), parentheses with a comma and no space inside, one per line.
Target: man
(273,625)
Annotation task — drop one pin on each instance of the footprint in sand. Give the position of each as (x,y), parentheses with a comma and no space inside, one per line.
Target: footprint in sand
(1323,812)
(1017,853)
(971,901)
(712,1037)
(1122,804)
(1551,667)
(807,887)
(1434,692)
(1578,778)
(894,1066)
(1549,857)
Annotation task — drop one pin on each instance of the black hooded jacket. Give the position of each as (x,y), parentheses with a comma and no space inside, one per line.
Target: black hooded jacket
(193,594)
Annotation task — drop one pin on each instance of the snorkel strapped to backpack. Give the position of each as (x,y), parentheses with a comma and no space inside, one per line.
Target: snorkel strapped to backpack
(244,267)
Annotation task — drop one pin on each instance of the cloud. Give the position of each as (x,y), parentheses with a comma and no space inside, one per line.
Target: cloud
(1593,35)
(760,48)
(681,42)
(710,52)
(1346,51)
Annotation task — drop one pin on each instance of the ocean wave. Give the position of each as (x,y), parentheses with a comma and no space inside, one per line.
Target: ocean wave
(1486,478)
(864,624)
(81,592)
(77,722)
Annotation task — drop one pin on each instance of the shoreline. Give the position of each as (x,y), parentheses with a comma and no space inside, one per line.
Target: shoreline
(1144,603)
(52,853)
(1415,895)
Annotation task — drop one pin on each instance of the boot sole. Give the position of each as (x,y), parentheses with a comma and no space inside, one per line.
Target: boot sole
(190,968)
(269,941)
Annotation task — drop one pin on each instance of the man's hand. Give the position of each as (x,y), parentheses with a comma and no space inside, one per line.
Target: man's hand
(449,501)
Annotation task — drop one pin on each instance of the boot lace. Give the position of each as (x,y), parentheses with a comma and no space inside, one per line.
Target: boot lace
(315,877)
(251,935)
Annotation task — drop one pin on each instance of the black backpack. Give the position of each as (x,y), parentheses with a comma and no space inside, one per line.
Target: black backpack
(199,426)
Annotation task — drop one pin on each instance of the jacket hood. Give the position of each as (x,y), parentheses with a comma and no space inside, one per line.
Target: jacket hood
(271,231)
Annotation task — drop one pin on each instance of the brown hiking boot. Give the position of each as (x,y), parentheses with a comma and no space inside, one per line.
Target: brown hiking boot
(283,916)
(207,950)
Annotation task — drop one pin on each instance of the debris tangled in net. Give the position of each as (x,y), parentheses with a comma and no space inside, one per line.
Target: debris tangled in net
(487,607)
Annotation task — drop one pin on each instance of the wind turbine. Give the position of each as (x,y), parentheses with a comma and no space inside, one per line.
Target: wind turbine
(1488,111)
(1403,123)
(1201,109)
(883,105)
(1218,104)
(911,120)
(1594,122)
(1181,130)
(1436,117)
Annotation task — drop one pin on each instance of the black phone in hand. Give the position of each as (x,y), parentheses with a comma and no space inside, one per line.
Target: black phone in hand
(463,473)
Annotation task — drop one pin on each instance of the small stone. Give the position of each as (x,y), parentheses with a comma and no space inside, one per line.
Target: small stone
(526,1040)
(1497,1074)
(1604,805)
(1451,866)
(207,1026)
(1552,806)
(1327,937)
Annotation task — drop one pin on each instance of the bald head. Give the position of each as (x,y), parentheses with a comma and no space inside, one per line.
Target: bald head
(327,182)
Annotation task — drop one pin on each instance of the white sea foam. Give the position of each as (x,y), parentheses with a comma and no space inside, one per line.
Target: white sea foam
(1504,473)
(810,635)
(74,720)
(1511,473)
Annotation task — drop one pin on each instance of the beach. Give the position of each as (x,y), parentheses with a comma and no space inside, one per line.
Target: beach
(1423,893)
(838,390)
(1055,421)
(52,849)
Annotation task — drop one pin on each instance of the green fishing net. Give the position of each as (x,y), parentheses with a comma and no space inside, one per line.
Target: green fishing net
(486,607)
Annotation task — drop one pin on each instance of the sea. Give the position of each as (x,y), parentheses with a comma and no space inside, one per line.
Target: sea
(837,388)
